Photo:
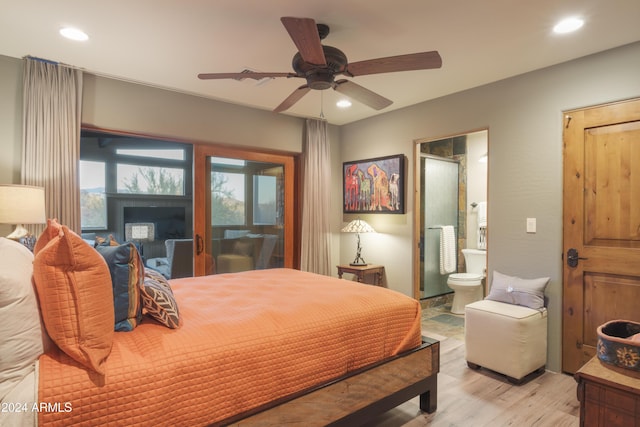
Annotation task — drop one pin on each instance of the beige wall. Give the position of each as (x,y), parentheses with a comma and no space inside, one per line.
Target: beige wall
(124,106)
(523,115)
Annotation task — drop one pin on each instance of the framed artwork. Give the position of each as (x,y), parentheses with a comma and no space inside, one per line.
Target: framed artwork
(374,185)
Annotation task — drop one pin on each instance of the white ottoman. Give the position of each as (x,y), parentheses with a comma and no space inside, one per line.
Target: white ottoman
(509,339)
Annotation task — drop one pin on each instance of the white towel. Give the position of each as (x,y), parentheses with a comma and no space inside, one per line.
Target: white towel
(482,237)
(482,214)
(447,249)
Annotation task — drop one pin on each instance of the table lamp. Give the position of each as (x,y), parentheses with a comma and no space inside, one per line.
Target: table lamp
(358,226)
(19,205)
(140,232)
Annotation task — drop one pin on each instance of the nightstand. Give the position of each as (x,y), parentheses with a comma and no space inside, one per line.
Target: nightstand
(362,272)
(608,395)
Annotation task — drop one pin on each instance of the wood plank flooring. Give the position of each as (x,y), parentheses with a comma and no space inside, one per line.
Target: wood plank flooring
(468,398)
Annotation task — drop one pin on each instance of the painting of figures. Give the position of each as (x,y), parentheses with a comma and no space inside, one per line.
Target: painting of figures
(374,185)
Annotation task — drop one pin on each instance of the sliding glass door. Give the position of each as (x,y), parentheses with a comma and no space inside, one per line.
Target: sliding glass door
(243,210)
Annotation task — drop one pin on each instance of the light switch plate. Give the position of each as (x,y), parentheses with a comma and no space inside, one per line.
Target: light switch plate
(531,225)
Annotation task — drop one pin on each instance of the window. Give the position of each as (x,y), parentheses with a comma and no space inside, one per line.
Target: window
(264,200)
(138,179)
(227,198)
(93,199)
(156,153)
(130,171)
(244,192)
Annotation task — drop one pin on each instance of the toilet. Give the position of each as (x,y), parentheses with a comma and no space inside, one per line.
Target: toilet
(467,287)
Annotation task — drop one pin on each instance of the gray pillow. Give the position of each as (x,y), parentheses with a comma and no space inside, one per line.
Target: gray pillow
(514,290)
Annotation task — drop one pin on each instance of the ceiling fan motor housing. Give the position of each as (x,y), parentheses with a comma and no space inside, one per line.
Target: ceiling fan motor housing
(321,77)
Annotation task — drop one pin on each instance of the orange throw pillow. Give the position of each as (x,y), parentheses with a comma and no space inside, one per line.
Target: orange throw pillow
(75,294)
(52,230)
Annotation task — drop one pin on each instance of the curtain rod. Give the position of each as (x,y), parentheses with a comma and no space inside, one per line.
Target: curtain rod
(47,61)
(52,62)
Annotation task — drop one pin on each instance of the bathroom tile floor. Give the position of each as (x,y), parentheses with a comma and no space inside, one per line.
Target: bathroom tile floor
(438,322)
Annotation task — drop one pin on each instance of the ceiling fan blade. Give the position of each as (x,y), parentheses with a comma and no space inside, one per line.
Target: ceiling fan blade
(361,94)
(304,33)
(293,98)
(390,64)
(246,75)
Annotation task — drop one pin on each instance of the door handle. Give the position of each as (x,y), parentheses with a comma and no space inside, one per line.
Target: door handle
(572,257)
(199,244)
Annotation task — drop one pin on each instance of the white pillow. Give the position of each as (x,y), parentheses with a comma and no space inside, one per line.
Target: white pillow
(21,331)
(514,290)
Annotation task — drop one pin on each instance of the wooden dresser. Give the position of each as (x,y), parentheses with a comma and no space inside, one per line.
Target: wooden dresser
(609,396)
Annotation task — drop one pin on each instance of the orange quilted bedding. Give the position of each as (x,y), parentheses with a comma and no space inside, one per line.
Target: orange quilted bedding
(246,339)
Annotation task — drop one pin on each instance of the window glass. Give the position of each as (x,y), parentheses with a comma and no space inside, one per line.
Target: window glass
(264,200)
(136,179)
(220,161)
(227,198)
(93,200)
(155,153)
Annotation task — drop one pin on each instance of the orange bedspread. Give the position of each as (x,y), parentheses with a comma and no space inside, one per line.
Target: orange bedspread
(246,339)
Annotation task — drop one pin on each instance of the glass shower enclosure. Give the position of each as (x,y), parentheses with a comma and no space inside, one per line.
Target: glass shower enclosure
(440,187)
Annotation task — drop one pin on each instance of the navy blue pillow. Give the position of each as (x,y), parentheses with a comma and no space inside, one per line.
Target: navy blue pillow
(127,275)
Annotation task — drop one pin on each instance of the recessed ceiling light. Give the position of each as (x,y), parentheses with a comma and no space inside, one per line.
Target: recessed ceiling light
(74,34)
(344,103)
(568,25)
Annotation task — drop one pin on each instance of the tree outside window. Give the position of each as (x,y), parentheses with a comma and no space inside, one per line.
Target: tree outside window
(227,198)
(93,199)
(136,179)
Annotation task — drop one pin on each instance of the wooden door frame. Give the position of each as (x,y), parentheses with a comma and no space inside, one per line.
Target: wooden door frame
(417,202)
(202,182)
(573,169)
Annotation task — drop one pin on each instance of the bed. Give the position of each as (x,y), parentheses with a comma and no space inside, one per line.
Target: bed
(266,347)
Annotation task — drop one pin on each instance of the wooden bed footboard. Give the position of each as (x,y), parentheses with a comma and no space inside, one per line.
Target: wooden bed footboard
(358,397)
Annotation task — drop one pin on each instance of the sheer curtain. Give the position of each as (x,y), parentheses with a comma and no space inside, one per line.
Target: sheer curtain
(316,250)
(52,104)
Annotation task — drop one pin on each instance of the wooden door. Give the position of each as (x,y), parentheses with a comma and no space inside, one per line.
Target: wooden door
(601,275)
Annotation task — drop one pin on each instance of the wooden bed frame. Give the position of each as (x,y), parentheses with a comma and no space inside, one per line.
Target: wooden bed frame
(357,397)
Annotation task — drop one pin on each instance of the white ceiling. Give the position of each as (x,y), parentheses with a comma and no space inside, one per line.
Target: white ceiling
(166,43)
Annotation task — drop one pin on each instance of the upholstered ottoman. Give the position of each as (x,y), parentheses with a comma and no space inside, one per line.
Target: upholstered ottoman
(506,338)
(233,263)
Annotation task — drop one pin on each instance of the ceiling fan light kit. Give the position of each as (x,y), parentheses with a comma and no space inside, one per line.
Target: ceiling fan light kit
(319,65)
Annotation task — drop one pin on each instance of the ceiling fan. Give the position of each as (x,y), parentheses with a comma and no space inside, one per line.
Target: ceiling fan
(320,64)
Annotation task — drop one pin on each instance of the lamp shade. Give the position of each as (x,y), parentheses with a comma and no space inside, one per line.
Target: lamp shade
(22,204)
(358,226)
(141,231)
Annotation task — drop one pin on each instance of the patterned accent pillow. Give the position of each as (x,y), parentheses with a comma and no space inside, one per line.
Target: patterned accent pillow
(158,300)
(127,274)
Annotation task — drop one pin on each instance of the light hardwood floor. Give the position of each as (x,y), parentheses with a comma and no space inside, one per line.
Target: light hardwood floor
(468,398)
